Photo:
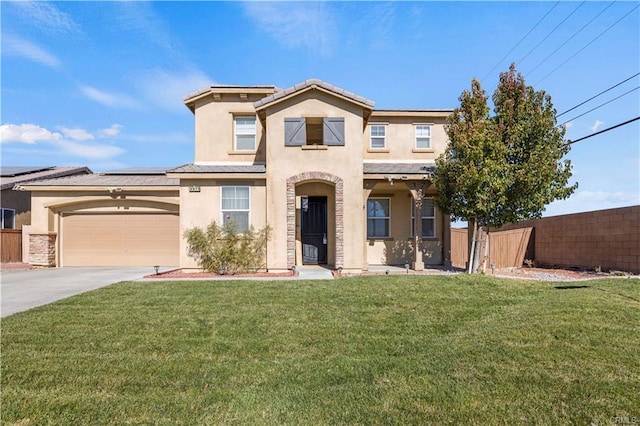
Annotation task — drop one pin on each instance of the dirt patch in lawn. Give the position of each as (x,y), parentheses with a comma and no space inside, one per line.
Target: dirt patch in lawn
(554,274)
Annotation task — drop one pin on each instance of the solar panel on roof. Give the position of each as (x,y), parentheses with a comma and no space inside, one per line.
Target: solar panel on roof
(12,171)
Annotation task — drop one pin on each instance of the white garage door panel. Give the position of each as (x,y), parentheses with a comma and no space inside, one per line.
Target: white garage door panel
(117,239)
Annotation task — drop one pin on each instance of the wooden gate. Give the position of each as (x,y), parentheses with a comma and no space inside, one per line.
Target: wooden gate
(507,249)
(11,245)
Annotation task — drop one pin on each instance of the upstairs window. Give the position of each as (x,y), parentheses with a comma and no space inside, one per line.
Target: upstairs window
(299,131)
(8,219)
(428,218)
(423,136)
(236,206)
(245,133)
(378,136)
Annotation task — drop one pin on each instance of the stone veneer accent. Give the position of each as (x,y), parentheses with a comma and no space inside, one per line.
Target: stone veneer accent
(42,249)
(291,213)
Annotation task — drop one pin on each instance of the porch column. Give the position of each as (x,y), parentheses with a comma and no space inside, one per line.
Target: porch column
(418,264)
(368,188)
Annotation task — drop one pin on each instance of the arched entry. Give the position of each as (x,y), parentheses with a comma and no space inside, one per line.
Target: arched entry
(334,215)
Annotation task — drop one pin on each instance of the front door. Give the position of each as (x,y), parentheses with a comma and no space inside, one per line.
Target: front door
(314,230)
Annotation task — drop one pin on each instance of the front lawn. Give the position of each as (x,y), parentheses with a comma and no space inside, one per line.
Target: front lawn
(366,350)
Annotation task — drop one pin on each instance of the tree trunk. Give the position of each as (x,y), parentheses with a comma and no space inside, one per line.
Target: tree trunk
(477,252)
(473,245)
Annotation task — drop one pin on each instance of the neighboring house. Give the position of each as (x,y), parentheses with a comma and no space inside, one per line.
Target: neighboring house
(16,205)
(338,182)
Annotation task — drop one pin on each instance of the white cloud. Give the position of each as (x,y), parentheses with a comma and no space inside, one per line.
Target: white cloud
(71,141)
(596,125)
(309,25)
(568,125)
(16,46)
(76,134)
(111,132)
(167,89)
(90,151)
(26,133)
(45,17)
(113,100)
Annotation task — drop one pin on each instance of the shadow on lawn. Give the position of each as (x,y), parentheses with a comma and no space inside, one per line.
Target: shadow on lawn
(570,287)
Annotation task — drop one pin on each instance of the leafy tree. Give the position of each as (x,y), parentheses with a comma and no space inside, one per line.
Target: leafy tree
(506,167)
(225,251)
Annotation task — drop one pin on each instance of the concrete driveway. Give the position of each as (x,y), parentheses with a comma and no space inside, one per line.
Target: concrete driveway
(21,290)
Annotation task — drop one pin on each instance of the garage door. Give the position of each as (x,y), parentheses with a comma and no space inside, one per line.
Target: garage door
(120,239)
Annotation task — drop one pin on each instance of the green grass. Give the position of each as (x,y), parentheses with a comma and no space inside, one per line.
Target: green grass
(366,350)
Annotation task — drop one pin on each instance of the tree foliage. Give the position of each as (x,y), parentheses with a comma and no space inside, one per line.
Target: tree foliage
(506,167)
(226,251)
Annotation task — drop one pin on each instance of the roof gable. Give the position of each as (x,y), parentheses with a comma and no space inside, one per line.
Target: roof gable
(313,84)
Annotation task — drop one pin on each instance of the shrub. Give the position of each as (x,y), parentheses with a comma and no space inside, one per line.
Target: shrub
(226,251)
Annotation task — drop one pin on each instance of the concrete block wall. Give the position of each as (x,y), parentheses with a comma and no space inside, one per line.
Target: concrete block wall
(609,239)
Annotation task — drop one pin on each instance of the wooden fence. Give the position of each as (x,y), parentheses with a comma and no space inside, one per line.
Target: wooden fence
(507,249)
(11,240)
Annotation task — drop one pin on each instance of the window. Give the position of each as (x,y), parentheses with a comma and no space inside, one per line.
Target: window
(245,133)
(236,206)
(299,131)
(378,136)
(428,218)
(378,217)
(8,219)
(423,137)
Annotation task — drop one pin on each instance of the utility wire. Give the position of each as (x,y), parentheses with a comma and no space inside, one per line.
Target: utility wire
(587,45)
(601,105)
(571,38)
(552,31)
(593,97)
(521,40)
(569,142)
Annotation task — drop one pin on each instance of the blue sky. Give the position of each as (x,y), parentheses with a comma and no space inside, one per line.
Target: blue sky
(101,83)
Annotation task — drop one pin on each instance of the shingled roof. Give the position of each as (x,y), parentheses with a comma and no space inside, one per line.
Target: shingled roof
(399,168)
(230,168)
(280,94)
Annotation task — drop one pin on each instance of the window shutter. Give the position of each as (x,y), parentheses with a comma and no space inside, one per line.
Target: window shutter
(295,131)
(333,131)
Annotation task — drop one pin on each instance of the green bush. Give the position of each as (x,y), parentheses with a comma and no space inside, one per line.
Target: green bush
(225,250)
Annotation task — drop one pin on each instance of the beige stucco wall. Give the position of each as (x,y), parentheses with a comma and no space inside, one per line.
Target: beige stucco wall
(400,138)
(344,162)
(201,208)
(214,131)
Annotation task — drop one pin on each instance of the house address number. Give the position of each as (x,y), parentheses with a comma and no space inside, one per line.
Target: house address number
(194,188)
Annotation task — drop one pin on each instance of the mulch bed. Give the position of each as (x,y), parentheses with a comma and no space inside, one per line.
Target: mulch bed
(551,274)
(15,266)
(178,274)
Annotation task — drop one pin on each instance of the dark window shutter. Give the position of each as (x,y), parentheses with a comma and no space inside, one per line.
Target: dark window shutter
(295,131)
(333,131)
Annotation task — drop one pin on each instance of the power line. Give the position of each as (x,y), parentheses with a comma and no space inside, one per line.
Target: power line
(571,38)
(552,31)
(521,40)
(593,97)
(569,142)
(587,45)
(601,105)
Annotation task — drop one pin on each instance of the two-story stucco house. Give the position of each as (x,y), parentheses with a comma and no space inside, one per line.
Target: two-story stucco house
(335,179)
(338,182)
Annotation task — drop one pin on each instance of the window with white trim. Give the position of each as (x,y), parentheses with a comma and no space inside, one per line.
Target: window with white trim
(378,217)
(428,218)
(378,136)
(245,133)
(236,206)
(8,219)
(423,136)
